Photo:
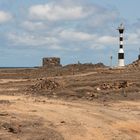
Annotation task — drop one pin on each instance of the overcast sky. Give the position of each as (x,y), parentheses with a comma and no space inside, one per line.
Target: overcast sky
(74,30)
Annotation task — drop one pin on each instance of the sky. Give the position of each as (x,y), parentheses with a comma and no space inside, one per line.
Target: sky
(74,30)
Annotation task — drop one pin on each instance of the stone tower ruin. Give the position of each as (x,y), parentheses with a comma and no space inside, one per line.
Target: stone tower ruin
(50,62)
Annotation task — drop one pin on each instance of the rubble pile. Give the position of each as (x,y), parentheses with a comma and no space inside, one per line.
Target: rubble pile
(114,85)
(43,84)
(100,65)
(134,65)
(84,66)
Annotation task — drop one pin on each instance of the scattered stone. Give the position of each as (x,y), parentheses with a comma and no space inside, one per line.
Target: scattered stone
(98,89)
(3,114)
(10,128)
(62,122)
(4,102)
(123,84)
(33,110)
(92,95)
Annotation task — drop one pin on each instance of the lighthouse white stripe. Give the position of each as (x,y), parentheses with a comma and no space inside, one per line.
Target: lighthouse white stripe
(121,42)
(121,62)
(121,50)
(121,35)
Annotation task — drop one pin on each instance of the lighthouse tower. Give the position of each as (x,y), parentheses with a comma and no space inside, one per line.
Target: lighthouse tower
(121,51)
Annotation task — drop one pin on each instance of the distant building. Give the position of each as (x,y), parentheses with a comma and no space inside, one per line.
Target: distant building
(139,55)
(51,62)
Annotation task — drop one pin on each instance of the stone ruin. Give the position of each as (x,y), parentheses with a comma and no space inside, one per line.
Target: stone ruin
(50,62)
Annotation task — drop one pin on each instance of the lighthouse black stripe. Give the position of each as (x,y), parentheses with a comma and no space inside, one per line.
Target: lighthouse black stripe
(121,38)
(121,55)
(121,46)
(121,31)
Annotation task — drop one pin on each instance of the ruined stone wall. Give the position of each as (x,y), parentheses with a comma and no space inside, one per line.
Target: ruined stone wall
(51,62)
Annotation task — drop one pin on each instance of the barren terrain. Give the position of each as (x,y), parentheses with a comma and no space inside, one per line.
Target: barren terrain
(77,105)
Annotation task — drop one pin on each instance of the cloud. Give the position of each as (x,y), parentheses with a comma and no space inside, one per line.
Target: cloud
(33,25)
(72,35)
(33,40)
(86,13)
(133,38)
(132,35)
(104,18)
(67,39)
(97,47)
(107,40)
(54,12)
(69,24)
(81,14)
(4,16)
(80,23)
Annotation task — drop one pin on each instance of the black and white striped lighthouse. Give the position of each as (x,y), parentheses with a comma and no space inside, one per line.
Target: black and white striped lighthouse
(121,51)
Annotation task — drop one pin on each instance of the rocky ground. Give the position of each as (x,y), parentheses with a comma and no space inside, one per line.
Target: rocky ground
(72,103)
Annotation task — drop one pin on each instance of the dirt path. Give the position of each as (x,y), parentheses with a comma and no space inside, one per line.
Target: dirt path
(75,75)
(23,118)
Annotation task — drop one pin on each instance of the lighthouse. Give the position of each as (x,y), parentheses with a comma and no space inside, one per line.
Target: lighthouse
(121,51)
